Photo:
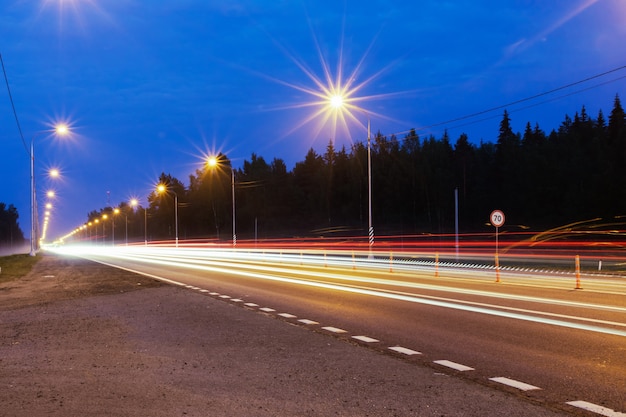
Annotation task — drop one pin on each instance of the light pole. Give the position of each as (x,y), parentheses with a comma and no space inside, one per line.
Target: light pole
(161,188)
(104,230)
(115,212)
(338,103)
(133,204)
(213,162)
(60,130)
(369,185)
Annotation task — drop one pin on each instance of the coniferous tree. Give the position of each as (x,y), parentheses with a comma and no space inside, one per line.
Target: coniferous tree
(10,233)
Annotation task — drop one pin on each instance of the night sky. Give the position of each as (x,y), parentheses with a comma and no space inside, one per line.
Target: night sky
(155,86)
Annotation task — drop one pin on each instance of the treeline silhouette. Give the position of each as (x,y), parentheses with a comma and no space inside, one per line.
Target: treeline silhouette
(11,236)
(540,180)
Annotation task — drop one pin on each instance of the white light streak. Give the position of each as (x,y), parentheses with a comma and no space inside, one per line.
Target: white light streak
(217,261)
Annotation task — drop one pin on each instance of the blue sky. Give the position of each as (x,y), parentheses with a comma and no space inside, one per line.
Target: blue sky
(152,86)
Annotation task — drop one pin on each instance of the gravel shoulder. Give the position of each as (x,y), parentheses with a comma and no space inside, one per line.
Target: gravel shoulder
(82,339)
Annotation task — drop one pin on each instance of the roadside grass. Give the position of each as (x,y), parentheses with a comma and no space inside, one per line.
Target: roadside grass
(16,266)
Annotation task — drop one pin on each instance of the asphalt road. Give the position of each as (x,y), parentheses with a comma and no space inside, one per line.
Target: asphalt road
(530,336)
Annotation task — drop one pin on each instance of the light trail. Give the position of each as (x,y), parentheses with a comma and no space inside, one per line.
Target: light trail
(242,264)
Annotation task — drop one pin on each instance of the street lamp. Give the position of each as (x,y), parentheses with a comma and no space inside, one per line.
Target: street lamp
(161,188)
(212,163)
(61,130)
(115,211)
(370,229)
(104,232)
(337,101)
(133,204)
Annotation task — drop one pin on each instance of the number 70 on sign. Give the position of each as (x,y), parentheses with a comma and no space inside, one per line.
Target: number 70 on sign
(497,218)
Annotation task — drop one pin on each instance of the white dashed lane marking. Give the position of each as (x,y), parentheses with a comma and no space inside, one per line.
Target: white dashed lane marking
(334,329)
(584,405)
(598,409)
(454,365)
(366,339)
(404,350)
(513,383)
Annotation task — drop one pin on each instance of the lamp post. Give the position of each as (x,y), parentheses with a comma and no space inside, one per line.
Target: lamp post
(115,212)
(338,103)
(370,229)
(60,130)
(213,162)
(133,204)
(161,188)
(104,233)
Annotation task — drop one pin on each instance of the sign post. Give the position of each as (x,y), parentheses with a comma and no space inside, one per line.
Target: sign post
(497,220)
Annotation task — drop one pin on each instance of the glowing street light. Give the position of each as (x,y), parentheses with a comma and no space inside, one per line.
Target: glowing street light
(61,130)
(104,232)
(213,163)
(338,102)
(115,211)
(133,204)
(161,188)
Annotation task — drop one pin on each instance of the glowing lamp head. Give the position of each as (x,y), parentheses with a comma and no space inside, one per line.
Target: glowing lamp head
(54,173)
(211,162)
(336,101)
(62,129)
(161,188)
(134,202)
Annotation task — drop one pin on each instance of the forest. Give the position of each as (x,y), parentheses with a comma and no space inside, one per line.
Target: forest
(11,236)
(539,180)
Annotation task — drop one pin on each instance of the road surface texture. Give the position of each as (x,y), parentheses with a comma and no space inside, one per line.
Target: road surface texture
(82,339)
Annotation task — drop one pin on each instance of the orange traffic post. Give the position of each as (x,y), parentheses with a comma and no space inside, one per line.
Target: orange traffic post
(390,261)
(353,261)
(578,286)
(325,263)
(436,264)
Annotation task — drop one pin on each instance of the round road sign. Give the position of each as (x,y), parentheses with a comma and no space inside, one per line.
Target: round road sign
(497,218)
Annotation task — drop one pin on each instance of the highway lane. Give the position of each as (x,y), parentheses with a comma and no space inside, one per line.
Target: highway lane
(528,328)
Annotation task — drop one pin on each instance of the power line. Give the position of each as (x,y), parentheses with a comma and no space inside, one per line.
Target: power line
(19,128)
(457,119)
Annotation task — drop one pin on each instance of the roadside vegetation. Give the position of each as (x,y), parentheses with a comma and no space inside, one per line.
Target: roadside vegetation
(16,266)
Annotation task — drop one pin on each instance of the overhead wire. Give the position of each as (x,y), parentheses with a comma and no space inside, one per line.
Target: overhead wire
(19,127)
(545,93)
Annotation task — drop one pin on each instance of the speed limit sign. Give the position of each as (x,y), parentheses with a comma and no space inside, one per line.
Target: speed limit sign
(497,218)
